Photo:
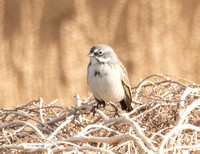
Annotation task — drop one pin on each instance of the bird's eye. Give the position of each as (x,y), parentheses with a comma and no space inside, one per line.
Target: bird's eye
(100,52)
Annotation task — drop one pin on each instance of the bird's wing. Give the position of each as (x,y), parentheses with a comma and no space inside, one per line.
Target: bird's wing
(125,83)
(88,71)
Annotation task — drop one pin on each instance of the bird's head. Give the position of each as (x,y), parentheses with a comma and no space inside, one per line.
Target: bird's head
(102,54)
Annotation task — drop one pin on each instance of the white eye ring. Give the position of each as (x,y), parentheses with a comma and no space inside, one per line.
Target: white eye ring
(100,52)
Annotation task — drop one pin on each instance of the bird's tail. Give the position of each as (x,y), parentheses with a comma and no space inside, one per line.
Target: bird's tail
(126,105)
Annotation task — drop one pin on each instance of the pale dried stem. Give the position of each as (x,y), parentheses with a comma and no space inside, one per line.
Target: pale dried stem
(165,114)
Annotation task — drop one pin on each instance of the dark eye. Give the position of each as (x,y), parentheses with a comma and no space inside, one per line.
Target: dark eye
(100,52)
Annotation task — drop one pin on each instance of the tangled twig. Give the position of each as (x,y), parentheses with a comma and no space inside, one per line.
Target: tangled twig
(165,118)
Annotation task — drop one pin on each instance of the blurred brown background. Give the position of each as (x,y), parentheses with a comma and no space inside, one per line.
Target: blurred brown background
(44,43)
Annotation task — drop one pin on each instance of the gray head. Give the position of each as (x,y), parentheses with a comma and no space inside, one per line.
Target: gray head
(103,53)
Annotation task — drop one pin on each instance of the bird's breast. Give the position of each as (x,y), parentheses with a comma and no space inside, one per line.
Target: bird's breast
(105,82)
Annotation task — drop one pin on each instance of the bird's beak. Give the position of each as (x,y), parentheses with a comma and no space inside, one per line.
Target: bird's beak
(91,54)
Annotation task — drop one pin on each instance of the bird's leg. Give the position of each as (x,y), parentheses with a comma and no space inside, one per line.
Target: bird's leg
(102,104)
(93,109)
(99,105)
(116,110)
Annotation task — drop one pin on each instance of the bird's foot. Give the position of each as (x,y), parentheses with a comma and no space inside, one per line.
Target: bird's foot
(116,114)
(116,110)
(98,106)
(93,110)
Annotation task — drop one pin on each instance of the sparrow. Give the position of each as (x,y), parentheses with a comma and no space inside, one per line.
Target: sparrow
(108,78)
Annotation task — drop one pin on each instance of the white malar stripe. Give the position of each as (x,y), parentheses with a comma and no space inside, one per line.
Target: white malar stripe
(104,60)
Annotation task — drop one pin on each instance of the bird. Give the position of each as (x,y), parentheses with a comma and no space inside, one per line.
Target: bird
(108,78)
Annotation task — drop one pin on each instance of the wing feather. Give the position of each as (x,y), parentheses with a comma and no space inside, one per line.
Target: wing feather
(127,88)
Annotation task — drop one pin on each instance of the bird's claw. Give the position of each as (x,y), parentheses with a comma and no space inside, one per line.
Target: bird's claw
(94,108)
(116,114)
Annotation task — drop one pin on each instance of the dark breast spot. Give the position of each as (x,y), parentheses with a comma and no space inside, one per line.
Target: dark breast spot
(97,73)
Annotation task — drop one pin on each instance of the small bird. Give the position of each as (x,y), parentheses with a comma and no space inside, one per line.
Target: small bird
(107,78)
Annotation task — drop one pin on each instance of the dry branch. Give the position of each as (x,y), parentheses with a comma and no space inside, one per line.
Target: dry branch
(165,118)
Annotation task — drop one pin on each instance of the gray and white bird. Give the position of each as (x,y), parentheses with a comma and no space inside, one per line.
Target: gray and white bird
(107,78)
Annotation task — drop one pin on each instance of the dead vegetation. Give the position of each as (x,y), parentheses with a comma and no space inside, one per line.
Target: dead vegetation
(166,118)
